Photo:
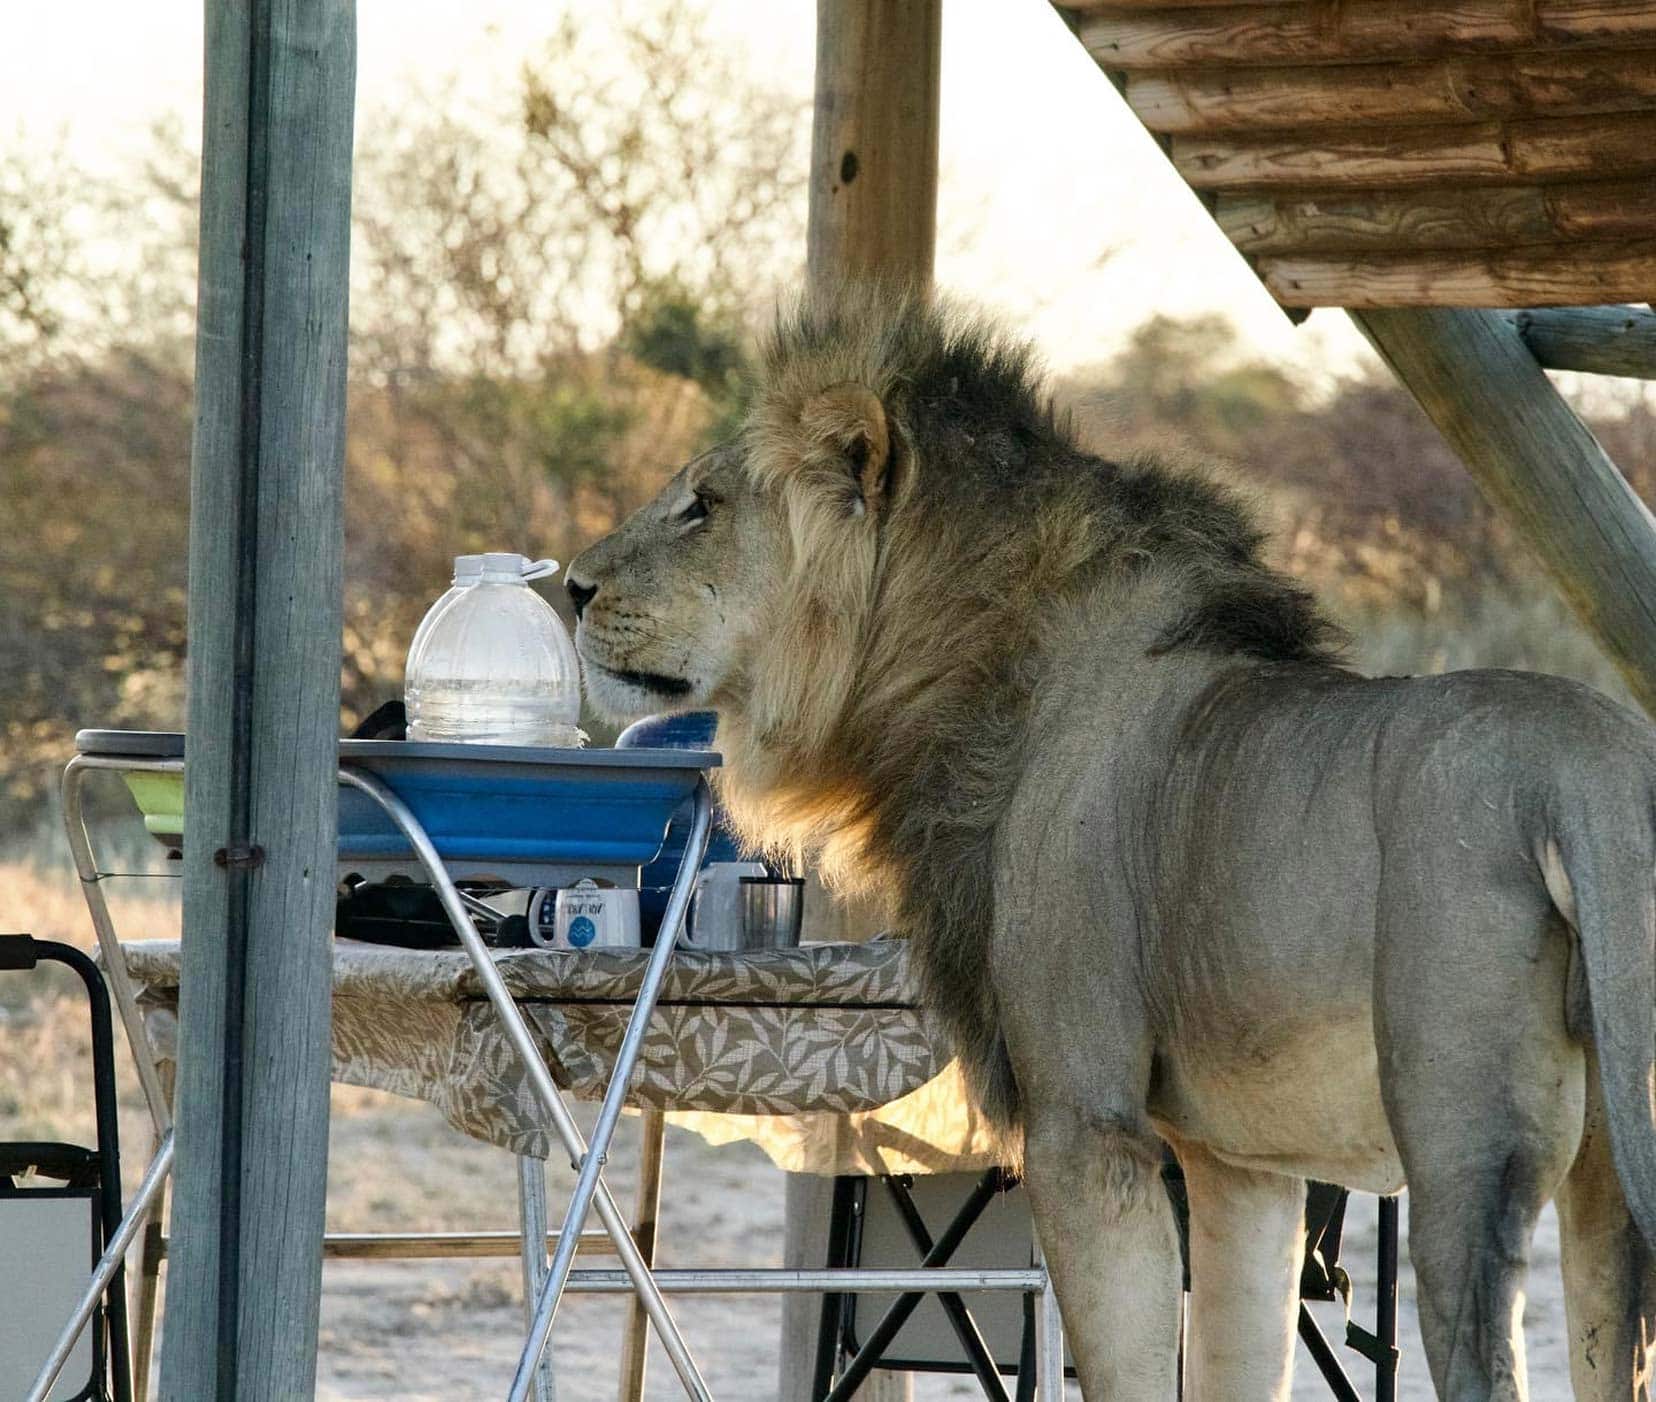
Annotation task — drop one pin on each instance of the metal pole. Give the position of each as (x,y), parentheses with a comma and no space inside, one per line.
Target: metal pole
(531,1173)
(115,968)
(646,1212)
(108,1264)
(609,1113)
(1385,1325)
(781,1280)
(1049,1369)
(518,1033)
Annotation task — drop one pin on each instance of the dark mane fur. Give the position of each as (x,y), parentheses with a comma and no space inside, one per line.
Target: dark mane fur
(903,774)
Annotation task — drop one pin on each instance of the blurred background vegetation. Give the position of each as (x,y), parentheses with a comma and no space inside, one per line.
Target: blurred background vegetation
(553,302)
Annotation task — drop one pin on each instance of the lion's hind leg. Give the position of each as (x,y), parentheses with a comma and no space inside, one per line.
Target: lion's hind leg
(1609,1272)
(1247,1242)
(1108,1234)
(1483,1086)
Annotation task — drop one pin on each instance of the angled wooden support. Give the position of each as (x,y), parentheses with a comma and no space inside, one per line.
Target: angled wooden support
(266,539)
(1597,340)
(1536,461)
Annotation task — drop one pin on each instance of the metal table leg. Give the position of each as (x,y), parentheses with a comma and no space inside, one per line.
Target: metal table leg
(609,1115)
(532,1228)
(1049,1366)
(589,1190)
(646,1213)
(114,961)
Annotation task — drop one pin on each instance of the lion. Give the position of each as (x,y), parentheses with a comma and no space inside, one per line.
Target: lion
(1174,875)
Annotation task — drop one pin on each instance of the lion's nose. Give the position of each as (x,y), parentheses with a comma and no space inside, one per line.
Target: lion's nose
(580,593)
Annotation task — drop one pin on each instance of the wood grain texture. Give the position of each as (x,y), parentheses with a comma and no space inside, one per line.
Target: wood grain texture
(1436,218)
(873,212)
(1538,464)
(873,186)
(1352,157)
(1486,153)
(1606,209)
(1401,93)
(1076,9)
(243,1286)
(1369,221)
(1354,31)
(1588,147)
(1595,340)
(1546,275)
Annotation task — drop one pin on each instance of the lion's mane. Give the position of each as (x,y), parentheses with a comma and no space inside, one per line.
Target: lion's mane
(884,720)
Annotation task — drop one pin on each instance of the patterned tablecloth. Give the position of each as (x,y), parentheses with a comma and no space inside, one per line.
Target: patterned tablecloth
(821,1054)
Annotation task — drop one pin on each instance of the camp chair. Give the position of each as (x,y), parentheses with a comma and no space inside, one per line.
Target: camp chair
(52,1232)
(984,1222)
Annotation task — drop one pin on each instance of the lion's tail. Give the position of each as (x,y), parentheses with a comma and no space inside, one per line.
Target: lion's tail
(1611,884)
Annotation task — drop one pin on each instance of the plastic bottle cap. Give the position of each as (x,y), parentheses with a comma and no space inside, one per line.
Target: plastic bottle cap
(501,565)
(467,567)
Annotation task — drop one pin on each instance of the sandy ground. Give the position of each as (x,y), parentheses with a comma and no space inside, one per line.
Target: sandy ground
(445,1331)
(449,1331)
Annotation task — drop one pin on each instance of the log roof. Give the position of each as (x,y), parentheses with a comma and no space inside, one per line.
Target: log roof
(1370,153)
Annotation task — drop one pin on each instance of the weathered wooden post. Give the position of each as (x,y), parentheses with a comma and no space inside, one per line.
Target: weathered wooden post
(264,648)
(873,212)
(874,141)
(1537,462)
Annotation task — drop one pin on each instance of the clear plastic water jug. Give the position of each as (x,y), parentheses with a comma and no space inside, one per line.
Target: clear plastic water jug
(493,664)
(467,570)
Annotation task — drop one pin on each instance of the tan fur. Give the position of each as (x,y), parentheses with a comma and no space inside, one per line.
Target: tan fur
(1171,873)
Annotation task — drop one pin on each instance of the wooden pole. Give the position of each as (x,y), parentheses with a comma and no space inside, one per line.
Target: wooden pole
(1597,340)
(873,213)
(873,182)
(244,1284)
(1536,461)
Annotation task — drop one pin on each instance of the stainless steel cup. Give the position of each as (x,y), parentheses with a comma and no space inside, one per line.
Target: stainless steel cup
(773,911)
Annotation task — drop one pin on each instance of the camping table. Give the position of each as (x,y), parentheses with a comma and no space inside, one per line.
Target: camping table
(822,1028)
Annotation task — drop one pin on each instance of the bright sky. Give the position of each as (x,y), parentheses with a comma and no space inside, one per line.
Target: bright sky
(1056,207)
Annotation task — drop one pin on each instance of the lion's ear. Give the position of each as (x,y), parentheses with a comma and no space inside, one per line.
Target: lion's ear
(849,420)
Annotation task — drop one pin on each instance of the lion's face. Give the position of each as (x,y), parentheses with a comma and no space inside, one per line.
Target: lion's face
(671,602)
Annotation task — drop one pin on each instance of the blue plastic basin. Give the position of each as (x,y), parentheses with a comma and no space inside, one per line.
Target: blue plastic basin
(492,803)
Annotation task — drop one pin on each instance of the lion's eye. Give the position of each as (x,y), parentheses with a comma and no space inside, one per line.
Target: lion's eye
(696,510)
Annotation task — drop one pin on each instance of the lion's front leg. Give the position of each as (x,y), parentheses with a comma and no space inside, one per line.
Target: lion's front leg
(1107,1230)
(1247,1242)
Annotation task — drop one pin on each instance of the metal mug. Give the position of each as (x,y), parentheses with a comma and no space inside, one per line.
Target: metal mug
(716,907)
(773,911)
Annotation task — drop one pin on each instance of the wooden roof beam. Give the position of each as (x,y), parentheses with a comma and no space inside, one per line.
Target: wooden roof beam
(1351,31)
(1536,461)
(1596,340)
(1443,217)
(1556,82)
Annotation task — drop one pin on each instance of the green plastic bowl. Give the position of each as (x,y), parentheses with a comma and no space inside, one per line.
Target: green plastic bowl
(160,798)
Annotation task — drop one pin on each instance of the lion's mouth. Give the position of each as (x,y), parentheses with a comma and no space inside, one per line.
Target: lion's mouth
(657,682)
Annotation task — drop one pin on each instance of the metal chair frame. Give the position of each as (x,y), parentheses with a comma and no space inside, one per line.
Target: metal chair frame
(844,1361)
(97,1169)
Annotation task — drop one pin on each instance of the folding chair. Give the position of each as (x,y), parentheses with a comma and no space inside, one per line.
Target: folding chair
(53,1232)
(983,1222)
